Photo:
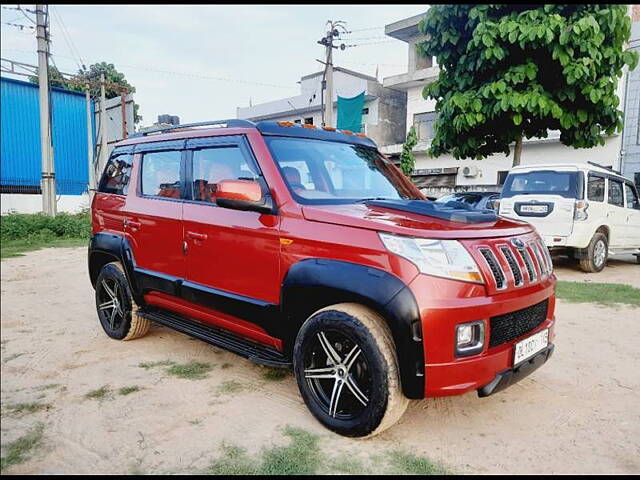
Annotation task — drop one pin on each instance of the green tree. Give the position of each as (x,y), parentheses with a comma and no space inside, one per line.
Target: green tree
(116,83)
(514,71)
(407,160)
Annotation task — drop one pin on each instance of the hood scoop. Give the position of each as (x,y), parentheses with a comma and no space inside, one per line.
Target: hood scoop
(451,211)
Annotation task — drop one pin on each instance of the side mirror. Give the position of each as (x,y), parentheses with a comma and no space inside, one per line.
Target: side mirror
(242,195)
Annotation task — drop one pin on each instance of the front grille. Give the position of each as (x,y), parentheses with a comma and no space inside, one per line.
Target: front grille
(526,258)
(510,326)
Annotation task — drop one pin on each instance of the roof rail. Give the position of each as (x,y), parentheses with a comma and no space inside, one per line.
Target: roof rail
(602,166)
(234,122)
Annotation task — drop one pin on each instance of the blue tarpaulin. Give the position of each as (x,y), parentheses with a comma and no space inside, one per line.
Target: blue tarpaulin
(350,113)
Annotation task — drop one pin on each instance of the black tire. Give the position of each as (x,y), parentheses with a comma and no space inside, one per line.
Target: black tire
(120,320)
(370,373)
(594,259)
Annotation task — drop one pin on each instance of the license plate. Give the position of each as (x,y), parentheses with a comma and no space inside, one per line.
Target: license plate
(530,346)
(534,208)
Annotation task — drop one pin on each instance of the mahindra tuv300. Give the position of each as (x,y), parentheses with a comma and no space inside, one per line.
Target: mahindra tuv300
(305,247)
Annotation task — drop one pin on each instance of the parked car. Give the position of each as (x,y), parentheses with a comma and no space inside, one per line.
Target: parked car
(306,248)
(477,200)
(589,211)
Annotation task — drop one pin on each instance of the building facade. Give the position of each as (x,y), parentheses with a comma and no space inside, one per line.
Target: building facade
(383,112)
(437,176)
(630,154)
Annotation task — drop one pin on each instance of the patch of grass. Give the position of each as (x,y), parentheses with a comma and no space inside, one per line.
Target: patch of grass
(300,457)
(344,463)
(230,386)
(28,407)
(234,461)
(226,365)
(191,370)
(407,463)
(161,363)
(20,233)
(601,293)
(48,386)
(275,374)
(99,394)
(128,390)
(20,449)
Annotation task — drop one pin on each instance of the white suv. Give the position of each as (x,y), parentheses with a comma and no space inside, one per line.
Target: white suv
(585,208)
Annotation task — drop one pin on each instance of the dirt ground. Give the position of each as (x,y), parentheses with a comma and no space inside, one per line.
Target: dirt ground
(577,414)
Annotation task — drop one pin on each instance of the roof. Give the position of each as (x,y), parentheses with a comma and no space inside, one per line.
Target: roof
(235,126)
(568,166)
(404,29)
(343,70)
(35,85)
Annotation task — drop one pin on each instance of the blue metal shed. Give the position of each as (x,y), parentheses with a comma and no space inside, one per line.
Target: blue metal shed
(20,161)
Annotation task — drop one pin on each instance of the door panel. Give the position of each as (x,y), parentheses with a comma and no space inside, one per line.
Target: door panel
(632,204)
(154,214)
(616,213)
(232,251)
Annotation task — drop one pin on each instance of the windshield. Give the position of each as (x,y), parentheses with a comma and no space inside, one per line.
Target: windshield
(323,172)
(543,182)
(471,199)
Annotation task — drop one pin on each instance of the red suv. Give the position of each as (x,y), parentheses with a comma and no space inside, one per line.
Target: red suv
(305,247)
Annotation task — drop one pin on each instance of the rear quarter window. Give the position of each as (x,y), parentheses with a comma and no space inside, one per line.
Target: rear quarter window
(117,174)
(615,193)
(595,188)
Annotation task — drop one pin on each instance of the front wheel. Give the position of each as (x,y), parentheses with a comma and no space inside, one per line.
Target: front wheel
(347,370)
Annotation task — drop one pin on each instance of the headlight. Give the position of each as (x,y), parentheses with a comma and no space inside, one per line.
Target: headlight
(442,258)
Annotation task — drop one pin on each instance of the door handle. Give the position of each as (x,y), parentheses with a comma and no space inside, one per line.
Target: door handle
(197,236)
(132,223)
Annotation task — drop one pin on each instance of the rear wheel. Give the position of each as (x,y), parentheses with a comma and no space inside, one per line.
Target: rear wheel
(117,311)
(347,370)
(595,255)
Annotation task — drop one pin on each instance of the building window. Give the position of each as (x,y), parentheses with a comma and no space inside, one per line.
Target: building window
(365,111)
(422,61)
(424,124)
(502,176)
(308,121)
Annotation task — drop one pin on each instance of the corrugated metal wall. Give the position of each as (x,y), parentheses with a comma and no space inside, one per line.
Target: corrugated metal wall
(20,162)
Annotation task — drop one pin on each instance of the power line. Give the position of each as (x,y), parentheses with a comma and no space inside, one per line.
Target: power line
(20,26)
(67,36)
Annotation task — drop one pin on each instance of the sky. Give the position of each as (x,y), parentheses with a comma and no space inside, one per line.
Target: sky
(200,62)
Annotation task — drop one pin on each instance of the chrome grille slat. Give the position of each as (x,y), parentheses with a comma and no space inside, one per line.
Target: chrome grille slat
(542,265)
(547,256)
(513,265)
(528,263)
(495,267)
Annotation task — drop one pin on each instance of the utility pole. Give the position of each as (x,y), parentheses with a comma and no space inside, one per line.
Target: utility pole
(333,33)
(104,139)
(47,184)
(91,170)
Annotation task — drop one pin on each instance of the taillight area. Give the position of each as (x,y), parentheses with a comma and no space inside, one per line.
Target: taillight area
(580,212)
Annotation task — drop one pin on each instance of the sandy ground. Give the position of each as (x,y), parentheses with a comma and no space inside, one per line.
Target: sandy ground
(578,414)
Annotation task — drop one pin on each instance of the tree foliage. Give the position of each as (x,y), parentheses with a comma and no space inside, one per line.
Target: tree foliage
(407,159)
(115,82)
(513,71)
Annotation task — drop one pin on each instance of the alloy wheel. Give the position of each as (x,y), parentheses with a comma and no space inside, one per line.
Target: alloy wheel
(111,301)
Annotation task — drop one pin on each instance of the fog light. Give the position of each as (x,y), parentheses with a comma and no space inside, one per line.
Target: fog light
(469,338)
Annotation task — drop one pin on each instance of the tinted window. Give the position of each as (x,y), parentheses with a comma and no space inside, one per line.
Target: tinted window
(319,171)
(543,182)
(115,178)
(632,197)
(595,188)
(615,193)
(211,165)
(161,174)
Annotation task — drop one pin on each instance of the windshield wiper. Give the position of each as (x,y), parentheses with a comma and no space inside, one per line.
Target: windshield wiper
(364,200)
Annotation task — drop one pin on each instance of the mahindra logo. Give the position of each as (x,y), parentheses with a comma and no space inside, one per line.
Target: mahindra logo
(516,242)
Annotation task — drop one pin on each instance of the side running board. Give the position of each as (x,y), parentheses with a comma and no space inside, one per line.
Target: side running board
(220,338)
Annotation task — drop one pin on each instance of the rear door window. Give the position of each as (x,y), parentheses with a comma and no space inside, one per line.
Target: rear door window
(632,197)
(543,182)
(161,174)
(615,193)
(117,173)
(595,188)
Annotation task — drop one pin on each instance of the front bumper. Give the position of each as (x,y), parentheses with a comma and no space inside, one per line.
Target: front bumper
(513,375)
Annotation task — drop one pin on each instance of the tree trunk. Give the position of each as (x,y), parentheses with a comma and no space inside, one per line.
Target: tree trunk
(517,152)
